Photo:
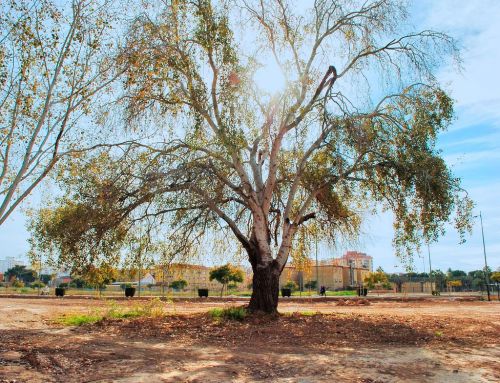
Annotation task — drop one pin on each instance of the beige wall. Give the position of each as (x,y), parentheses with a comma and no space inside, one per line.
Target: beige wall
(417,287)
(330,276)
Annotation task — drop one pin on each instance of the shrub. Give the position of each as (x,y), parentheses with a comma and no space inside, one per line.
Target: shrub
(179,284)
(290,285)
(311,285)
(155,308)
(230,313)
(37,284)
(17,283)
(81,319)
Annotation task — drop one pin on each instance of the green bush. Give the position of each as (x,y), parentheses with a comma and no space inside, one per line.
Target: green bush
(290,285)
(179,284)
(311,285)
(230,313)
(17,283)
(81,319)
(155,308)
(37,284)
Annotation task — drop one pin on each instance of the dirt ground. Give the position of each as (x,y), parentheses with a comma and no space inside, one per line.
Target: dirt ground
(439,340)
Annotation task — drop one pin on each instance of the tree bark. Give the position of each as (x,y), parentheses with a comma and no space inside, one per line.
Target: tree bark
(265,288)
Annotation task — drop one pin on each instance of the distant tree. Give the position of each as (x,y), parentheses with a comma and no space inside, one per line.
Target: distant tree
(78,283)
(45,278)
(20,273)
(377,278)
(311,285)
(290,285)
(99,277)
(225,274)
(495,276)
(179,284)
(37,284)
(17,283)
(456,273)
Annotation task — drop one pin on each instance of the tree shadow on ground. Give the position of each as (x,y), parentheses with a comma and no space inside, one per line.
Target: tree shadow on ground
(197,348)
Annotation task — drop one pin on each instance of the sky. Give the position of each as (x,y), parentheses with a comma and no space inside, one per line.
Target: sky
(471,146)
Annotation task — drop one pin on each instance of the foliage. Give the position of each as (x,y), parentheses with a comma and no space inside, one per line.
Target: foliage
(37,284)
(311,285)
(154,308)
(21,273)
(277,171)
(495,276)
(226,274)
(17,283)
(229,313)
(80,319)
(454,283)
(378,278)
(52,67)
(99,277)
(290,285)
(179,284)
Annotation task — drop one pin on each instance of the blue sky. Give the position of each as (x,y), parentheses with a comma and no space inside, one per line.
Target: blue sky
(471,146)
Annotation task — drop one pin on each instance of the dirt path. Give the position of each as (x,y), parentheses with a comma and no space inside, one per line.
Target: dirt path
(383,342)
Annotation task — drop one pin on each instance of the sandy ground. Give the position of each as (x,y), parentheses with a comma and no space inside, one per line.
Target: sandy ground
(439,340)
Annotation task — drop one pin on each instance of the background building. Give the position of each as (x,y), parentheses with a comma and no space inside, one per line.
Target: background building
(355,258)
(334,273)
(8,263)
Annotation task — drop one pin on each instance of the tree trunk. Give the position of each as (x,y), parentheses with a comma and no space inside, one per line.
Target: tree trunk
(265,289)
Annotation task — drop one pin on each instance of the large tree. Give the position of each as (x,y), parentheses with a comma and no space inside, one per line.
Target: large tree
(354,128)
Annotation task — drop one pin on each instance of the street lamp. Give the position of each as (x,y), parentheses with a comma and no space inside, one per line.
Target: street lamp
(485,261)
(430,268)
(317,276)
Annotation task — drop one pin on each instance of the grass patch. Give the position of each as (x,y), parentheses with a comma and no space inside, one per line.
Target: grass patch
(341,293)
(230,313)
(314,293)
(155,308)
(308,313)
(80,319)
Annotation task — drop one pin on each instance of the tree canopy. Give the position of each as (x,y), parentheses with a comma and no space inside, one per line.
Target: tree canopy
(52,67)
(21,273)
(354,130)
(226,274)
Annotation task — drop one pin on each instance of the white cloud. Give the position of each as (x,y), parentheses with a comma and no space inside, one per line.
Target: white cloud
(475,24)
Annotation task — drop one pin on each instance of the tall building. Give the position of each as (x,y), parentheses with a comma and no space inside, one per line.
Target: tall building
(8,263)
(354,258)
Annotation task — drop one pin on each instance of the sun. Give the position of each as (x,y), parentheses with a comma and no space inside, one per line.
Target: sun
(269,78)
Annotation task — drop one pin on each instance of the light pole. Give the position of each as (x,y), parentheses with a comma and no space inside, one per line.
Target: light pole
(485,262)
(317,274)
(430,267)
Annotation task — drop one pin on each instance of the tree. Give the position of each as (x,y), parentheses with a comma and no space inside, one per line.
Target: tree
(290,285)
(179,284)
(495,276)
(311,285)
(379,277)
(20,273)
(233,158)
(51,68)
(226,274)
(99,277)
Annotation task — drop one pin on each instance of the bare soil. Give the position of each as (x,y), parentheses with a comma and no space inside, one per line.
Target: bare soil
(438,340)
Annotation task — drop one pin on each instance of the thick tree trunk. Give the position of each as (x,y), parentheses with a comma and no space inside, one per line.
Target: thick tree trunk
(265,288)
